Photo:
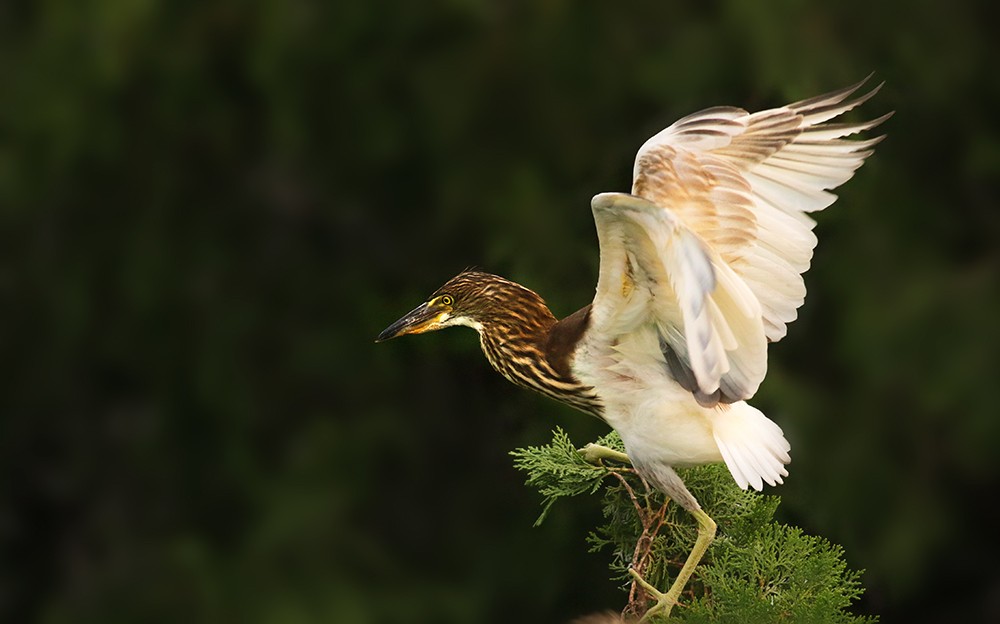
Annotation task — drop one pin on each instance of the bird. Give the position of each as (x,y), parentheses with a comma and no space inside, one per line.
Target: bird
(700,270)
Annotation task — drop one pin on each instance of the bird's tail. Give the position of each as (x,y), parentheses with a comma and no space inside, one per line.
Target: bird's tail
(754,448)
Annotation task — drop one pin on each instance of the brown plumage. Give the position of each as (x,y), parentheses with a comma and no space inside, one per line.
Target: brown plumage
(520,336)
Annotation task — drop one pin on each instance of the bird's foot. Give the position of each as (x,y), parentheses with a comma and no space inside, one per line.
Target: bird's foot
(664,601)
(595,453)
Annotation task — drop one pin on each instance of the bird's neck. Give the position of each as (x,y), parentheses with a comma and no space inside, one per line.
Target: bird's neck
(516,337)
(532,349)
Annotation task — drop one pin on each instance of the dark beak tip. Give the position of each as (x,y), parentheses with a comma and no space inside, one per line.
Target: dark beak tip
(403,325)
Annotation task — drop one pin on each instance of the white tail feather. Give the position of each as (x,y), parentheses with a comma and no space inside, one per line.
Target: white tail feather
(754,448)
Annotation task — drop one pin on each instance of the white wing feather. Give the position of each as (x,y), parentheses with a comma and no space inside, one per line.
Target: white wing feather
(766,170)
(655,269)
(711,244)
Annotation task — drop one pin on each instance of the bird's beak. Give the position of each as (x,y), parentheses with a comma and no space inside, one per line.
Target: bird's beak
(417,321)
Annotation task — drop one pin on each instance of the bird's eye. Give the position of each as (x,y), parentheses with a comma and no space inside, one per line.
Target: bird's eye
(447,300)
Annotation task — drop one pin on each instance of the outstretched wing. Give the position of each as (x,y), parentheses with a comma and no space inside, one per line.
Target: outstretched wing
(712,242)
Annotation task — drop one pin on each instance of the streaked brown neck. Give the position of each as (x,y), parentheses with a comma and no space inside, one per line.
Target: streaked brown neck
(525,343)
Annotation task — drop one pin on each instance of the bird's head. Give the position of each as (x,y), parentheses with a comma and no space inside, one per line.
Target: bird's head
(471,298)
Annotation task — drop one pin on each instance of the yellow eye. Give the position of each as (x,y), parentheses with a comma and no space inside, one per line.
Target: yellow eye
(447,300)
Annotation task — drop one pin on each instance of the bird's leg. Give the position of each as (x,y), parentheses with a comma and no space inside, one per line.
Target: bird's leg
(594,453)
(652,522)
(666,480)
(666,601)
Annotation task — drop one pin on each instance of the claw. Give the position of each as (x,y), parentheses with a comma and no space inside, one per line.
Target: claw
(664,602)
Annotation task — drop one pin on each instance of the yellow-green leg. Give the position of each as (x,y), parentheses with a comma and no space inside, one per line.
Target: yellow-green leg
(665,602)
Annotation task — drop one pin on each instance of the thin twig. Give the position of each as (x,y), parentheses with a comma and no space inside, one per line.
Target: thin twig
(651,523)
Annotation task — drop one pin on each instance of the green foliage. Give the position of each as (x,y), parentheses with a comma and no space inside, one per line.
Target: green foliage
(557,470)
(757,570)
(776,573)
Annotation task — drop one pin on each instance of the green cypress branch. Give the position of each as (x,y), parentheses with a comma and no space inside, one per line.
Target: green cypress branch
(757,570)
(557,470)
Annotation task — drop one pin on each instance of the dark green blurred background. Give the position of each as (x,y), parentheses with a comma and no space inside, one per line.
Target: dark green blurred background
(209,210)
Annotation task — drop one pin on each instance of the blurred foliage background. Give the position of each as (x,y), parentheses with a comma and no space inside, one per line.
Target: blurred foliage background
(209,210)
